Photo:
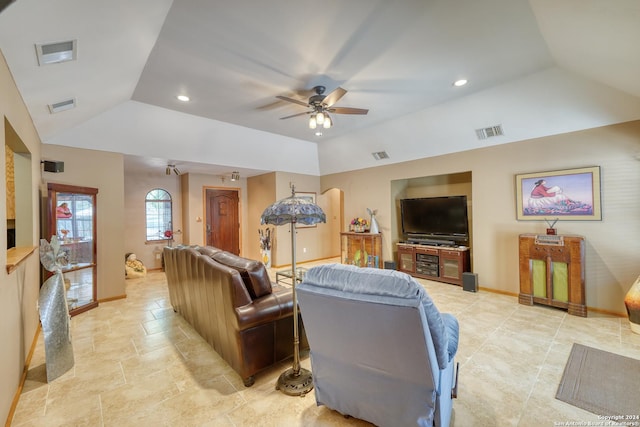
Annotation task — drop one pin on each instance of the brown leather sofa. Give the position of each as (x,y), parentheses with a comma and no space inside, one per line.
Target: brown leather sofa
(231,302)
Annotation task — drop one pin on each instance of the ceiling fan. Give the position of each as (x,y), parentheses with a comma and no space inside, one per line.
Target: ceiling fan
(321,105)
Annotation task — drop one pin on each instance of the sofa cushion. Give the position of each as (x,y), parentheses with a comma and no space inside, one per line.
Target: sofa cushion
(372,281)
(254,274)
(209,251)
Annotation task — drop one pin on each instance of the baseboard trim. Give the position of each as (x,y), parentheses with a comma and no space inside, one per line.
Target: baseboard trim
(23,378)
(594,309)
(609,312)
(118,297)
(498,291)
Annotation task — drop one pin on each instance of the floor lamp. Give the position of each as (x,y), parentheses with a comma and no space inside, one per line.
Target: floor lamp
(295,381)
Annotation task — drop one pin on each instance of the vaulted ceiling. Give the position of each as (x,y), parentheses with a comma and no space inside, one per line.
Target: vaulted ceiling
(536,67)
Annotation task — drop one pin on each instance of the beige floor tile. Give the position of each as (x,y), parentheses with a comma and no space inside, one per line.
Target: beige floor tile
(198,405)
(140,364)
(138,396)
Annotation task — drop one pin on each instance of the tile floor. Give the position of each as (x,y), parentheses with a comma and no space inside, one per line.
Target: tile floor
(139,364)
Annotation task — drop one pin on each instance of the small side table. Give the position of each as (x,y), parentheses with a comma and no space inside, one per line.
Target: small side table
(282,275)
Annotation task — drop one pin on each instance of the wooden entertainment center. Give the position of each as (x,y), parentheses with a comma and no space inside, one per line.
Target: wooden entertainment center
(440,263)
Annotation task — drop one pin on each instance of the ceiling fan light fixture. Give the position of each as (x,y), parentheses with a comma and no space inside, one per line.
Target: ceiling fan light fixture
(327,122)
(319,105)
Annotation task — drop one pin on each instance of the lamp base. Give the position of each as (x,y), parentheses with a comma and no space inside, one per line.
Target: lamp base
(295,385)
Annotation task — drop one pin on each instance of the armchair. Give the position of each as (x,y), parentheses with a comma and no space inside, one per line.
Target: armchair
(380,349)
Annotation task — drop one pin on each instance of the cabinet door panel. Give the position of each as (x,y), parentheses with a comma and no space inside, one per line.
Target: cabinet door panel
(539,278)
(560,281)
(450,268)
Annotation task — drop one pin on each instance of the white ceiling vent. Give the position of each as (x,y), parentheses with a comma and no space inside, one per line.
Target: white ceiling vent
(62,105)
(379,155)
(489,132)
(53,53)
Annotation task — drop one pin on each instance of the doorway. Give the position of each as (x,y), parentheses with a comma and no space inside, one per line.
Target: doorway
(223,220)
(72,213)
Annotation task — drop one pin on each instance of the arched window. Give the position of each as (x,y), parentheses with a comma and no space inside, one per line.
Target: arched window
(159,222)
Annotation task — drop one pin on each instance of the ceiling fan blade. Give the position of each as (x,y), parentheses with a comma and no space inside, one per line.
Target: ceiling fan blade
(334,97)
(295,115)
(295,101)
(347,110)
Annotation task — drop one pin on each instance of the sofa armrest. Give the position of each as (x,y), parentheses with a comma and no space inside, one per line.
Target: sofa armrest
(265,309)
(453,332)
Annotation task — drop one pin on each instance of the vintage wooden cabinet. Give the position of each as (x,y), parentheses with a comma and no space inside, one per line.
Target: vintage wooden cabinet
(361,249)
(552,272)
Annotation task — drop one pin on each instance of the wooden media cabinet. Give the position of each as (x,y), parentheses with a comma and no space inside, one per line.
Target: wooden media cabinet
(440,263)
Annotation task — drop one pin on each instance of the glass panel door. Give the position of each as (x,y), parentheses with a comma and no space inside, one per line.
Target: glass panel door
(450,268)
(72,217)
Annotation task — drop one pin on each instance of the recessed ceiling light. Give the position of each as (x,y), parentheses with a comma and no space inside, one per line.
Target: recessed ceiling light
(183,98)
(460,82)
(318,133)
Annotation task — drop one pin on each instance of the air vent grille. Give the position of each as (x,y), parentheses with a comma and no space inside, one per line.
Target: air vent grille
(489,132)
(379,155)
(53,53)
(62,106)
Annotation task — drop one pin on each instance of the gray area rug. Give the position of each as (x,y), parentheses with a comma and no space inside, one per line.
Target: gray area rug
(601,382)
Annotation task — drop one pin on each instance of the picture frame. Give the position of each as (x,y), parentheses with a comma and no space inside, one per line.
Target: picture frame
(565,195)
(312,198)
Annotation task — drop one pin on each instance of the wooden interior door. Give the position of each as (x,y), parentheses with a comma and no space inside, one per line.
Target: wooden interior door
(223,223)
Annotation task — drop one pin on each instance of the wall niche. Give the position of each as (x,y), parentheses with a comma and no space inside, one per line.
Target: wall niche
(453,184)
(19,189)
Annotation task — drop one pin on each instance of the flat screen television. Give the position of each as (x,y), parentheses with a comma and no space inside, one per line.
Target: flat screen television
(435,219)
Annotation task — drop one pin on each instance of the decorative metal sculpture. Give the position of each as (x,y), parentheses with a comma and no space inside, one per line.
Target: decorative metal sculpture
(54,311)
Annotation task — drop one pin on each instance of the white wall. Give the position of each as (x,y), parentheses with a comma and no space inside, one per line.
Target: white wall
(312,243)
(104,171)
(19,289)
(612,245)
(136,187)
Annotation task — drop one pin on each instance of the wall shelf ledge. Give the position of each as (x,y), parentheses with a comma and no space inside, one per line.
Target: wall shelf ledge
(16,255)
